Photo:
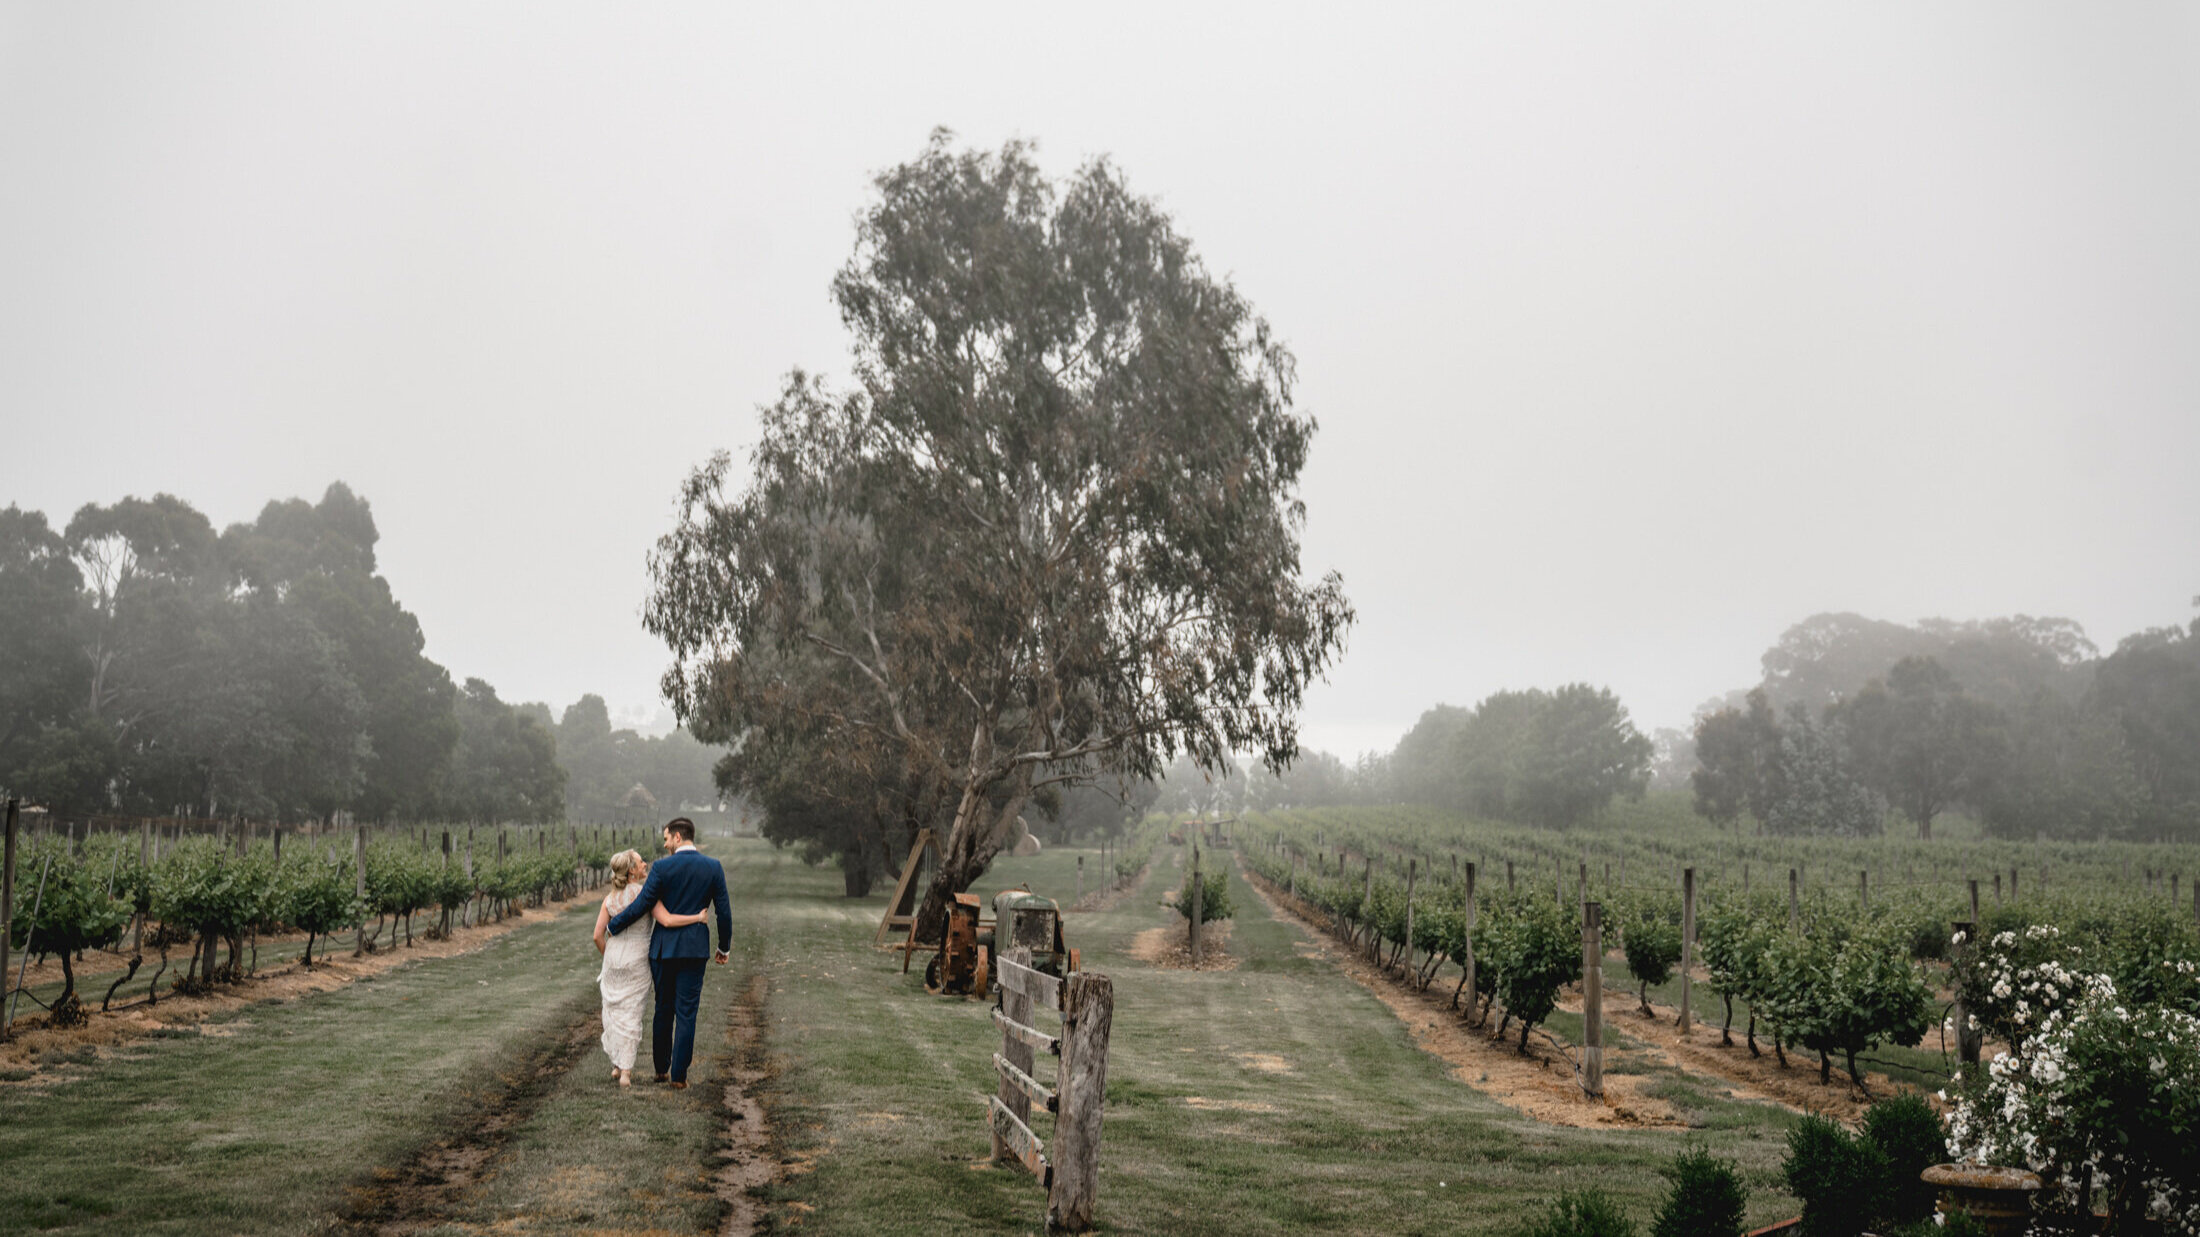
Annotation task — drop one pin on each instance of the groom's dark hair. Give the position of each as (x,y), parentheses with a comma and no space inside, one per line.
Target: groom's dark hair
(681,826)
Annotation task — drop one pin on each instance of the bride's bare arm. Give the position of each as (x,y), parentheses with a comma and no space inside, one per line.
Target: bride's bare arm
(603,923)
(666,919)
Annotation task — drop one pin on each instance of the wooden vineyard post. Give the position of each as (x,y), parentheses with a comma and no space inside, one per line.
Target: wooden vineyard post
(1581,888)
(1367,905)
(1088,1014)
(1974,901)
(7,894)
(1967,1040)
(145,861)
(1468,985)
(1413,870)
(1199,887)
(1864,890)
(1688,944)
(1592,998)
(446,850)
(2013,884)
(359,890)
(1509,876)
(1080,881)
(1795,900)
(1997,888)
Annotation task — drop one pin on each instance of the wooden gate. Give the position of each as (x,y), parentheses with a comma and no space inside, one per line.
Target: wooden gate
(1085,1004)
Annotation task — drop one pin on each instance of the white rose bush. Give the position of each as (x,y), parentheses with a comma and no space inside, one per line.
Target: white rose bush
(2100,1091)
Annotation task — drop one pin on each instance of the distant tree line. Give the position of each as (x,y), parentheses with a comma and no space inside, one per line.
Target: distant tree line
(2018,721)
(614,774)
(150,665)
(1552,758)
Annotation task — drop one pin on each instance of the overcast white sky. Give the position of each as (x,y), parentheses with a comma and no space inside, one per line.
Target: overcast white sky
(1636,334)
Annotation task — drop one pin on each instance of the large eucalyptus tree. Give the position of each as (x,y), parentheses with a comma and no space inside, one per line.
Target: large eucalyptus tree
(1049,534)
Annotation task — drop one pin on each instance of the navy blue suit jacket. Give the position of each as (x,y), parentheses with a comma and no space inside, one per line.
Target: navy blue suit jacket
(686,881)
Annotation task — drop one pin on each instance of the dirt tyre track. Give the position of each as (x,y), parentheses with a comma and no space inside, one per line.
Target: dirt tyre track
(428,1188)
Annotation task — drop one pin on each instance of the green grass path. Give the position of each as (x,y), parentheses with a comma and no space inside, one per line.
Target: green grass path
(1358,1132)
(259,1124)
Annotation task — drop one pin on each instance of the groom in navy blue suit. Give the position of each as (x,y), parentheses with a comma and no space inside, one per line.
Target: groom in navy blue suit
(685,880)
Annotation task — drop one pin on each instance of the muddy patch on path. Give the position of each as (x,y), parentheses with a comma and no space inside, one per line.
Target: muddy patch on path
(747,1152)
(1540,1083)
(425,1191)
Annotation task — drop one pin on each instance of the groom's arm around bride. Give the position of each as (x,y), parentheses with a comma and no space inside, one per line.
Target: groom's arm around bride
(686,881)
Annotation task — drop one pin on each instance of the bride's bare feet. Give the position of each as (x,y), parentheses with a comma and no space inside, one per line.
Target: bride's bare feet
(625,1078)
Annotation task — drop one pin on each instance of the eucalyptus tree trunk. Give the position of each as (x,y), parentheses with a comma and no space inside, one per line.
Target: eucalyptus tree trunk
(978,834)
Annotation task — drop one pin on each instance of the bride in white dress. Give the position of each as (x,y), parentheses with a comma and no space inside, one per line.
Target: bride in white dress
(625,980)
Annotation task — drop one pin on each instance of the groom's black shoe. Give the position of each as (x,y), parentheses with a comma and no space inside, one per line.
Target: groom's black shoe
(664,1078)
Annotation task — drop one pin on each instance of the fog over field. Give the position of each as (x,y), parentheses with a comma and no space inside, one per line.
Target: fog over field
(1635,337)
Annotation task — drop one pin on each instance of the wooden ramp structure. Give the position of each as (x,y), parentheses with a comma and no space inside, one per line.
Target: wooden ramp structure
(901,910)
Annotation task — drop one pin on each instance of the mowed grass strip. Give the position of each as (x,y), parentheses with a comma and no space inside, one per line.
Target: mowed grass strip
(261,1122)
(1276,1097)
(592,1157)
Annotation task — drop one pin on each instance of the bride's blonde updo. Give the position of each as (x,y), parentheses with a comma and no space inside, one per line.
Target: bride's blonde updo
(623,866)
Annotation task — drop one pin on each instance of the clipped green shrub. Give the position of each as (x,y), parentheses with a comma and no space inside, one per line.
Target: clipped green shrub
(1589,1213)
(1214,896)
(1706,1199)
(1842,1179)
(1907,1131)
(1653,947)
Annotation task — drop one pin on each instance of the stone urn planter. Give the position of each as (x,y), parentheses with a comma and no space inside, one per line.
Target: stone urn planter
(1998,1198)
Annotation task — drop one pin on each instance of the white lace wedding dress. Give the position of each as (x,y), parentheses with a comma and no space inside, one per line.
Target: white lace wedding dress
(625,981)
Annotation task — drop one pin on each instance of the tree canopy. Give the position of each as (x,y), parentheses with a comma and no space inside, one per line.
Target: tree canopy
(1050,533)
(150,665)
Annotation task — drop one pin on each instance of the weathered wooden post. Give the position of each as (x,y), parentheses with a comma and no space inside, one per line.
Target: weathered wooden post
(1199,887)
(1688,944)
(1968,1041)
(2013,884)
(1413,871)
(359,890)
(137,929)
(1469,983)
(1509,886)
(446,850)
(1974,901)
(1795,900)
(7,888)
(1088,1014)
(1592,998)
(1080,881)
(1367,905)
(1997,888)
(1864,890)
